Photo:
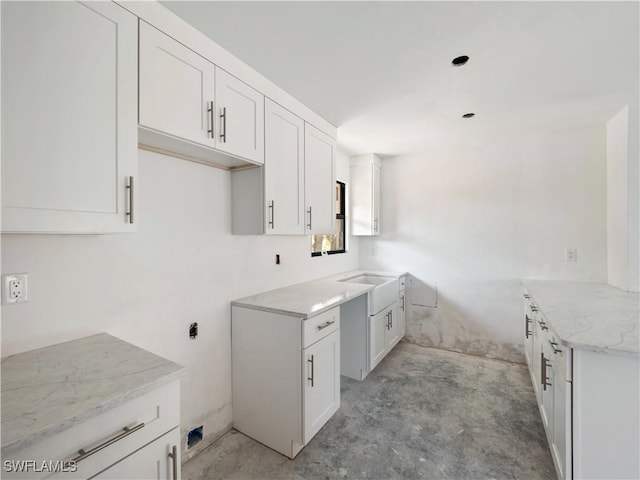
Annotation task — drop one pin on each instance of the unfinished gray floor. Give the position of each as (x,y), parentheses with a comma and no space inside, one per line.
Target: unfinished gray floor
(422,413)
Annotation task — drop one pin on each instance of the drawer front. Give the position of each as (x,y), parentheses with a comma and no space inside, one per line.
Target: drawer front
(147,417)
(318,327)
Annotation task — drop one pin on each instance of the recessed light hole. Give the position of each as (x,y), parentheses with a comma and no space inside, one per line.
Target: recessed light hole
(459,61)
(468,115)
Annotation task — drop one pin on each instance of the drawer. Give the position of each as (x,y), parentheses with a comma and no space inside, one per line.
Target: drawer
(147,417)
(318,327)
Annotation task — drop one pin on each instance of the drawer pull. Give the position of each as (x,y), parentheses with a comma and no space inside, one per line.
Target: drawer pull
(174,457)
(325,325)
(533,308)
(553,347)
(126,431)
(527,296)
(543,325)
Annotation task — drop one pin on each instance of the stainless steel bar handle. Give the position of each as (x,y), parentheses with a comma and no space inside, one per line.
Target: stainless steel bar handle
(553,347)
(82,453)
(174,456)
(309,224)
(311,378)
(543,325)
(375,224)
(527,296)
(210,111)
(130,191)
(272,210)
(391,318)
(533,308)
(527,321)
(325,325)
(402,299)
(388,320)
(544,363)
(223,117)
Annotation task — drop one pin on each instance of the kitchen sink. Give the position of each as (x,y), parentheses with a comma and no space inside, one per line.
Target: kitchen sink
(385,291)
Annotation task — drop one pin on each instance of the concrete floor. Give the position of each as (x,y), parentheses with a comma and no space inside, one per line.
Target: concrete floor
(422,413)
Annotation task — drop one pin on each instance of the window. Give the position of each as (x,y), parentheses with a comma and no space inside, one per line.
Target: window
(333,243)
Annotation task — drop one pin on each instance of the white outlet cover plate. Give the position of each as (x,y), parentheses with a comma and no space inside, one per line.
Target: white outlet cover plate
(6,288)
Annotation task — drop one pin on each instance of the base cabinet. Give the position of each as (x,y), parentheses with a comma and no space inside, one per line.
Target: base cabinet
(588,403)
(384,333)
(285,376)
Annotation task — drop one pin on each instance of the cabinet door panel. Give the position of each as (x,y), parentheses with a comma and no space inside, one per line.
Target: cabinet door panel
(176,88)
(322,394)
(150,462)
(377,329)
(69,76)
(283,170)
(561,445)
(239,118)
(319,183)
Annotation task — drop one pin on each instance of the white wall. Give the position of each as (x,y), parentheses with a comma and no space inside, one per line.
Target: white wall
(476,216)
(182,266)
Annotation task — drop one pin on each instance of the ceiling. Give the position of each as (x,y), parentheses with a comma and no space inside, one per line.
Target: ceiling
(382,73)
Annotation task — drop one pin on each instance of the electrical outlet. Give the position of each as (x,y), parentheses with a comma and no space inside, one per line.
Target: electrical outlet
(571,255)
(15,288)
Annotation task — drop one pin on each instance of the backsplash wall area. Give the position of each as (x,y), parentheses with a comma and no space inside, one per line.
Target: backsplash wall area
(182,266)
(474,217)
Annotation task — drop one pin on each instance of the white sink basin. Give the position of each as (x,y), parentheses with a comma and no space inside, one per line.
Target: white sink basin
(385,291)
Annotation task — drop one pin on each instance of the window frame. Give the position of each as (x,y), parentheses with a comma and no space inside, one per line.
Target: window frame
(339,216)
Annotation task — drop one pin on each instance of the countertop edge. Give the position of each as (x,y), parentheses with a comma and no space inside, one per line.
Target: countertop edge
(32,439)
(568,342)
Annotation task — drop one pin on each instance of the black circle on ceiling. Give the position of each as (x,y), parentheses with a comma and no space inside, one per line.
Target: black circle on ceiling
(468,115)
(459,61)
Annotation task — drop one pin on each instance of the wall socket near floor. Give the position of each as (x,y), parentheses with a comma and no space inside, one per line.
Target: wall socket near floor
(15,288)
(571,255)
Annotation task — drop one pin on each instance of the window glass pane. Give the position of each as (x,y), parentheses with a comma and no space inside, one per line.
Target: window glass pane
(333,243)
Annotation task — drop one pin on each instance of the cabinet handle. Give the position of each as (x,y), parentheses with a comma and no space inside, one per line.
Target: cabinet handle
(311,378)
(527,321)
(553,347)
(391,318)
(543,374)
(272,210)
(223,133)
(82,453)
(129,188)
(527,296)
(325,325)
(309,224)
(543,325)
(210,110)
(402,300)
(375,224)
(388,315)
(533,308)
(174,457)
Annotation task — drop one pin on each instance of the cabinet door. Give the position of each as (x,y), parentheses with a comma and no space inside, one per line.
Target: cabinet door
(176,88)
(546,391)
(375,199)
(319,181)
(283,170)
(392,332)
(69,90)
(402,315)
(377,332)
(561,444)
(155,461)
(321,372)
(239,118)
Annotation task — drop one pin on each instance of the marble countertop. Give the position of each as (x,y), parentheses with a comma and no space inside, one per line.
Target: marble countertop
(589,316)
(307,299)
(48,390)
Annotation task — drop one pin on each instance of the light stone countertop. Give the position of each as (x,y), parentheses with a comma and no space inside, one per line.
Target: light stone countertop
(311,298)
(589,316)
(51,389)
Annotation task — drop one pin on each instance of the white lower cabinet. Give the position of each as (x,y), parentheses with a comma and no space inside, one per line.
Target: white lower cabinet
(384,333)
(159,460)
(588,403)
(131,441)
(285,375)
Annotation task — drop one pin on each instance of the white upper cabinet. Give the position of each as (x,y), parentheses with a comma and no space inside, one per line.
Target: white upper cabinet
(283,171)
(69,96)
(176,88)
(365,194)
(319,181)
(239,118)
